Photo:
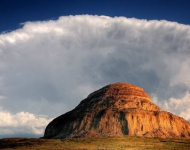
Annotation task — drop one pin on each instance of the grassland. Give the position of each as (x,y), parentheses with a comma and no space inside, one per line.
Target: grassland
(100,143)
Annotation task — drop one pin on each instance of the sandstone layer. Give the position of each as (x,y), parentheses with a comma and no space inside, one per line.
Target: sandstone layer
(118,109)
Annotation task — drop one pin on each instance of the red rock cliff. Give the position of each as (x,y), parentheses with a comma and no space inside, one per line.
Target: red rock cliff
(118,109)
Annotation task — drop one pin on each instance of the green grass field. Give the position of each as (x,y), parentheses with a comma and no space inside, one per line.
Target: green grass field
(99,143)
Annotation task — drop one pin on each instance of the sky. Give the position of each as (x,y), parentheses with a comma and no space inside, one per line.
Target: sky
(53,54)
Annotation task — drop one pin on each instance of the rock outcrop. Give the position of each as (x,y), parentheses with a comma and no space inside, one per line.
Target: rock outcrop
(118,109)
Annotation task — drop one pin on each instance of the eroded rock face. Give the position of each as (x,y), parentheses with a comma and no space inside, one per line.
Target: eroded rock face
(118,109)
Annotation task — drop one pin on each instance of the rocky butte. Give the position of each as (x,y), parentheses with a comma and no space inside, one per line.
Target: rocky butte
(118,109)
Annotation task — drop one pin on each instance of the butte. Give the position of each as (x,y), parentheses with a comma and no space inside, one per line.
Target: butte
(115,110)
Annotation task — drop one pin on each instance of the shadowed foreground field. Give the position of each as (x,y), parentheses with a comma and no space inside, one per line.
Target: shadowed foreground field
(100,143)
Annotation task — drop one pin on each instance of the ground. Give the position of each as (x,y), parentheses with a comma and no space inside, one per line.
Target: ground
(97,143)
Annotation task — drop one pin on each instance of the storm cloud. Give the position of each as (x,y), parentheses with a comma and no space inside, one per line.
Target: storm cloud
(48,67)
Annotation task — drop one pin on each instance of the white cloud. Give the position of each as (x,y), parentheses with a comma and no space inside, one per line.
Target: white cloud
(22,123)
(52,65)
(180,107)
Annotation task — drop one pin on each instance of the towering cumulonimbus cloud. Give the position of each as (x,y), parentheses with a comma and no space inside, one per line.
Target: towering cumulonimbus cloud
(47,67)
